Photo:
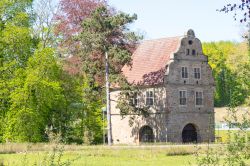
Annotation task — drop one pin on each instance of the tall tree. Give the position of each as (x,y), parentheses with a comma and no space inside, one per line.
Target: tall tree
(16,46)
(43,27)
(69,17)
(105,32)
(33,101)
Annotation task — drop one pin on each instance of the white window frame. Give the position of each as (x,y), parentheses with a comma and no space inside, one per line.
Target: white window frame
(184,74)
(180,97)
(136,97)
(150,98)
(201,97)
(199,73)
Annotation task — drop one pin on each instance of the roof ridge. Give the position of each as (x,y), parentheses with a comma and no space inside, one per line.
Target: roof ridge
(162,38)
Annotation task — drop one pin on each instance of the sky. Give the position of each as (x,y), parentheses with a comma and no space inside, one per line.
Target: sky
(168,18)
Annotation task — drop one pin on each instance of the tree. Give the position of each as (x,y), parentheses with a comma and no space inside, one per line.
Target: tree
(43,27)
(16,46)
(106,32)
(240,9)
(69,17)
(37,95)
(232,81)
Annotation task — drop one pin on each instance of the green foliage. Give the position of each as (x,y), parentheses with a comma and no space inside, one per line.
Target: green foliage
(230,63)
(37,91)
(106,32)
(36,95)
(210,158)
(87,124)
(16,47)
(236,150)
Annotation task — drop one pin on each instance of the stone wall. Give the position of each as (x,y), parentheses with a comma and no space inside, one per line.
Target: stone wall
(201,116)
(124,133)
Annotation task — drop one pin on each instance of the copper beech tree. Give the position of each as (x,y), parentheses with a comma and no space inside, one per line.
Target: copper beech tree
(69,17)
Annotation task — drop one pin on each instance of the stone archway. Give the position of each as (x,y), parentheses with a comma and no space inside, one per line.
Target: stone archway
(146,134)
(189,134)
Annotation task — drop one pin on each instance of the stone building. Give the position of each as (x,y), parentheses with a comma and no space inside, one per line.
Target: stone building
(176,82)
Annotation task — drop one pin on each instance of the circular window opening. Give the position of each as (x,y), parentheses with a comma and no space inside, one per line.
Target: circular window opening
(190,42)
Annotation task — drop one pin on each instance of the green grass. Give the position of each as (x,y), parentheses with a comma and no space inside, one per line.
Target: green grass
(120,158)
(148,155)
(223,136)
(176,155)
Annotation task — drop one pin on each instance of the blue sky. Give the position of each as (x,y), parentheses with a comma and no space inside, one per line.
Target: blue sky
(166,18)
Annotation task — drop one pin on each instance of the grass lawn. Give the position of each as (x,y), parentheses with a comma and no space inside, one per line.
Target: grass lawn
(176,155)
(148,155)
(121,158)
(223,137)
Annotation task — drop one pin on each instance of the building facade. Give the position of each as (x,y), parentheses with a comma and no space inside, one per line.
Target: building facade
(177,85)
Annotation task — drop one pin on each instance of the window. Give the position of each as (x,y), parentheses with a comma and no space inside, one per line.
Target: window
(183,97)
(193,52)
(190,42)
(197,73)
(198,98)
(135,100)
(149,98)
(187,52)
(184,72)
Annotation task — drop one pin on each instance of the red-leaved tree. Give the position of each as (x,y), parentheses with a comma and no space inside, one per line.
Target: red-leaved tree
(69,17)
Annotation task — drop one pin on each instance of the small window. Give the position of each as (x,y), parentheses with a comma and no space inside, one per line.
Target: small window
(135,100)
(183,97)
(198,98)
(193,52)
(149,98)
(184,72)
(190,42)
(197,73)
(188,52)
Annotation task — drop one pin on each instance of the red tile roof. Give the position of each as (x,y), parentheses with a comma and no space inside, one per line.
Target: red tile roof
(149,61)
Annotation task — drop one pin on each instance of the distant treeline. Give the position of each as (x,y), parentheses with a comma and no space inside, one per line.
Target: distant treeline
(230,62)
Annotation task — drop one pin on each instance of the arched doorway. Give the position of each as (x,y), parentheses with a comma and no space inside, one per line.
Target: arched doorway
(189,134)
(146,134)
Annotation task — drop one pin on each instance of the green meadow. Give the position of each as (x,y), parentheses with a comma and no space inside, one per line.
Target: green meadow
(121,157)
(25,154)
(43,154)
(52,154)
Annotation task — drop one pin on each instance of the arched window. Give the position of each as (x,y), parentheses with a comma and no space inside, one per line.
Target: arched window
(146,134)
